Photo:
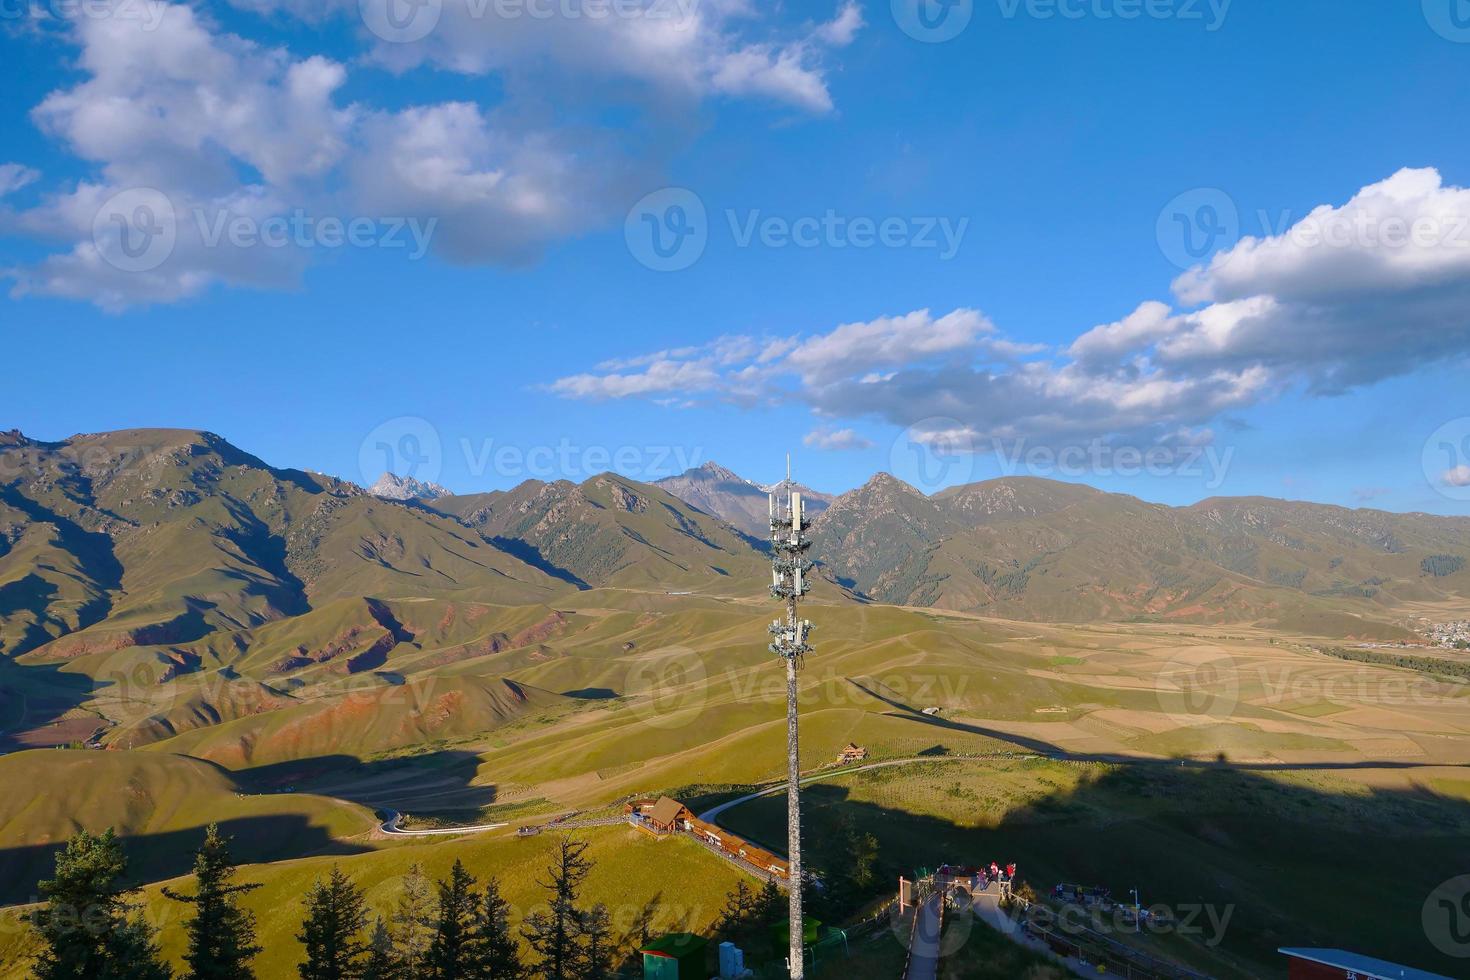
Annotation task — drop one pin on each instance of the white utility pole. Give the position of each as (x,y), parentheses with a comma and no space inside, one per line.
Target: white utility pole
(789,566)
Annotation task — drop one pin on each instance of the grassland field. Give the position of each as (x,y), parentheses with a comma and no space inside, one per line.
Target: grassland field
(1225,766)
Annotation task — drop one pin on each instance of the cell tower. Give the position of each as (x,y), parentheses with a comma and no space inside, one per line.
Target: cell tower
(789,567)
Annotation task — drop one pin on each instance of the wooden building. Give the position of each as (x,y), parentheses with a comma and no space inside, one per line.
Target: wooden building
(1337,964)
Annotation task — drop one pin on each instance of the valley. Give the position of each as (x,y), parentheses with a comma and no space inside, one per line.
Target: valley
(1097,687)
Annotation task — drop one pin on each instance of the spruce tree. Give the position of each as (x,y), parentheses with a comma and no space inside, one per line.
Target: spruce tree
(555,934)
(413,925)
(381,962)
(332,932)
(498,953)
(452,953)
(87,928)
(594,934)
(221,934)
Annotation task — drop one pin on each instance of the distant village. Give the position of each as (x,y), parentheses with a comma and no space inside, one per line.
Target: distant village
(1455,635)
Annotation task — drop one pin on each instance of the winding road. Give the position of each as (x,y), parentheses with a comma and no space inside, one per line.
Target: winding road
(391,826)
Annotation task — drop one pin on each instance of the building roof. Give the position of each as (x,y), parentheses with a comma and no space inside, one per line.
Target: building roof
(1365,966)
(666,810)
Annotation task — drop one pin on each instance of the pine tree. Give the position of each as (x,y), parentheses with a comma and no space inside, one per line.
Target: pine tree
(555,933)
(739,908)
(221,934)
(498,954)
(332,932)
(413,925)
(88,929)
(594,933)
(452,954)
(381,962)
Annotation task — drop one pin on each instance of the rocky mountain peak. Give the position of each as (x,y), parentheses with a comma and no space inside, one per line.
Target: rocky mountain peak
(391,486)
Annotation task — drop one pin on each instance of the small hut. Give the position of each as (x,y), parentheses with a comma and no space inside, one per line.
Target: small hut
(852,753)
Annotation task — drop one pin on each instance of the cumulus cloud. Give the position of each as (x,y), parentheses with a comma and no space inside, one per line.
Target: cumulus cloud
(211,129)
(1459,476)
(836,440)
(1348,296)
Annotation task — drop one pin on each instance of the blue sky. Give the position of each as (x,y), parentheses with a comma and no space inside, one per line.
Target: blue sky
(1032,306)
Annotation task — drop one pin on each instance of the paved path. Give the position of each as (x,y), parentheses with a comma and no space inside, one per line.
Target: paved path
(391,826)
(924,942)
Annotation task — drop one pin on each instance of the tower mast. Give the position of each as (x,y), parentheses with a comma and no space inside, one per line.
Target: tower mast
(789,567)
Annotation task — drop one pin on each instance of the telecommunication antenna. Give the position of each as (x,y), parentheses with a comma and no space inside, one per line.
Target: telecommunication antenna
(789,568)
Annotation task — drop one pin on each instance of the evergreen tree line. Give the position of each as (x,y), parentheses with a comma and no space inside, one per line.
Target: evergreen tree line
(456,929)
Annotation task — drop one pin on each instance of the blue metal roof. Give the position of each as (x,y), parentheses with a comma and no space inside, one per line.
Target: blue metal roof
(1365,966)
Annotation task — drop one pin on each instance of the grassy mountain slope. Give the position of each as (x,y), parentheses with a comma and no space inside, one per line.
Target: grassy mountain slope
(1036,549)
(146,537)
(609,530)
(165,799)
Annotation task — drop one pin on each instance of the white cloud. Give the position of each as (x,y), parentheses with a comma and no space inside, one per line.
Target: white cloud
(836,440)
(1457,477)
(14,176)
(220,127)
(1280,314)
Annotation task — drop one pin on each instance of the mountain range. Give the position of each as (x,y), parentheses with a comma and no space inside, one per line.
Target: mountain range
(170,537)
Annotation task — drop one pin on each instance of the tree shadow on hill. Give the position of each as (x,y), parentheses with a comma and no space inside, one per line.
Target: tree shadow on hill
(431,782)
(155,857)
(1245,863)
(34,700)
